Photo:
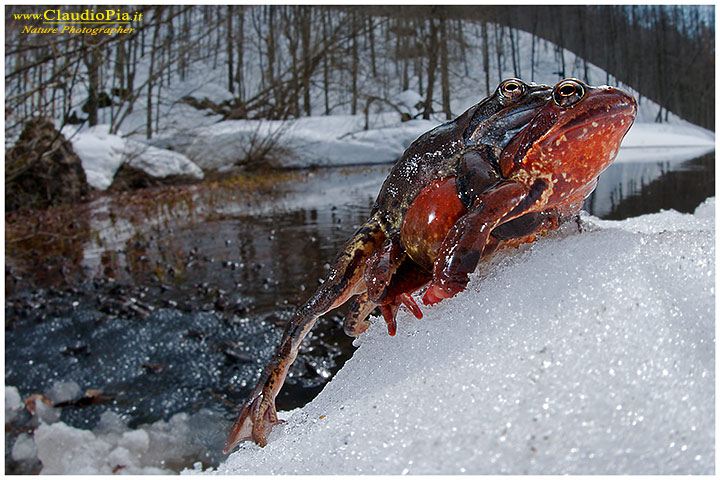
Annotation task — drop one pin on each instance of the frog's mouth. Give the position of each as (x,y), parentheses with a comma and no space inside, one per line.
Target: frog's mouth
(598,111)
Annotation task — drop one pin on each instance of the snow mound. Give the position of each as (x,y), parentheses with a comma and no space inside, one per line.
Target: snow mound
(157,448)
(586,353)
(158,162)
(102,154)
(13,404)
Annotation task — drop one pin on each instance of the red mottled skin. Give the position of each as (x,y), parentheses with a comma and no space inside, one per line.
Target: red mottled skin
(458,193)
(550,167)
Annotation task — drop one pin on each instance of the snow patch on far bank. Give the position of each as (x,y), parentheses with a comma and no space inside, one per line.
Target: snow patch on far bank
(102,154)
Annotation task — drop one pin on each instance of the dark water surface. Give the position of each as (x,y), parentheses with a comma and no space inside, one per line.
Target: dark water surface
(181,315)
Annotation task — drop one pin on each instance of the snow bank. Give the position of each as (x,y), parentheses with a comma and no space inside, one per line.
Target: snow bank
(102,154)
(158,448)
(579,354)
(158,162)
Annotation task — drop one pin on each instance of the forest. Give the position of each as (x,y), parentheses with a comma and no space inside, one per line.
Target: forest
(290,61)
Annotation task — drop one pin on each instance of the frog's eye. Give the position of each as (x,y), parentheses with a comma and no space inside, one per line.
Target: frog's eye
(568,93)
(512,88)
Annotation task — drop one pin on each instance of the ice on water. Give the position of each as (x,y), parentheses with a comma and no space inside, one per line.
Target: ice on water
(162,447)
(584,353)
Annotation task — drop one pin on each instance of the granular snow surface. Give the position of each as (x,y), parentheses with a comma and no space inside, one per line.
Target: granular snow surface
(587,353)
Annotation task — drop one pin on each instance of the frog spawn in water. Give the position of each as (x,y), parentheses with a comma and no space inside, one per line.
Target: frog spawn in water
(509,169)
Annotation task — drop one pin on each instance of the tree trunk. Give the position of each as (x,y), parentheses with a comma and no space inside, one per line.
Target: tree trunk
(354,65)
(499,50)
(432,66)
(486,58)
(240,54)
(230,47)
(92,62)
(326,66)
(371,40)
(270,42)
(444,69)
(305,25)
(151,72)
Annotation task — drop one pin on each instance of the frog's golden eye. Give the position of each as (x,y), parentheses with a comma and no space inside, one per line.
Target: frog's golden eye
(567,93)
(512,88)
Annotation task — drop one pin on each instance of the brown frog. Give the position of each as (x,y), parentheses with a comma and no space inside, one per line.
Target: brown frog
(509,169)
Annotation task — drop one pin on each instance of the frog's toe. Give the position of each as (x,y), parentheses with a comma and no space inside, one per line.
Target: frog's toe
(437,292)
(255,423)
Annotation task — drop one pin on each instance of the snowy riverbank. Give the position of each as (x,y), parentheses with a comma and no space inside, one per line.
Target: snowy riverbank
(582,354)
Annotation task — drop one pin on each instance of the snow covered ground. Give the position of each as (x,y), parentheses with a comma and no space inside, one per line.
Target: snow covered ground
(586,353)
(189,141)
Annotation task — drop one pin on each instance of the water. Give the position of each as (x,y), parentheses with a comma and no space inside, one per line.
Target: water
(176,305)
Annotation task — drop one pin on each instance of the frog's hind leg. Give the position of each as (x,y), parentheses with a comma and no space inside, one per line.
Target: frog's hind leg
(345,279)
(356,319)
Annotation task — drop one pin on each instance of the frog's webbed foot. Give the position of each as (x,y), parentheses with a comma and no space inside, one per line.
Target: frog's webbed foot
(255,422)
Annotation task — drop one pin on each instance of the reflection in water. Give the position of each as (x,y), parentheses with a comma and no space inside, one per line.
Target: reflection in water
(632,189)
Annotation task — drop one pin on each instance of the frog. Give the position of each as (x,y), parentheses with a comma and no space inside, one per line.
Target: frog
(508,170)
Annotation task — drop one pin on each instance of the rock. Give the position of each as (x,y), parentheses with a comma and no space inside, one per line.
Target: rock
(42,169)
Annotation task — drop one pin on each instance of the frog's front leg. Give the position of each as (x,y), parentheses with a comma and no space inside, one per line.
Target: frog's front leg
(469,239)
(258,414)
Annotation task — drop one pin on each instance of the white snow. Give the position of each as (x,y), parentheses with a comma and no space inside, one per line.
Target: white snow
(586,353)
(13,404)
(158,448)
(324,141)
(102,153)
(24,448)
(64,392)
(158,162)
(341,140)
